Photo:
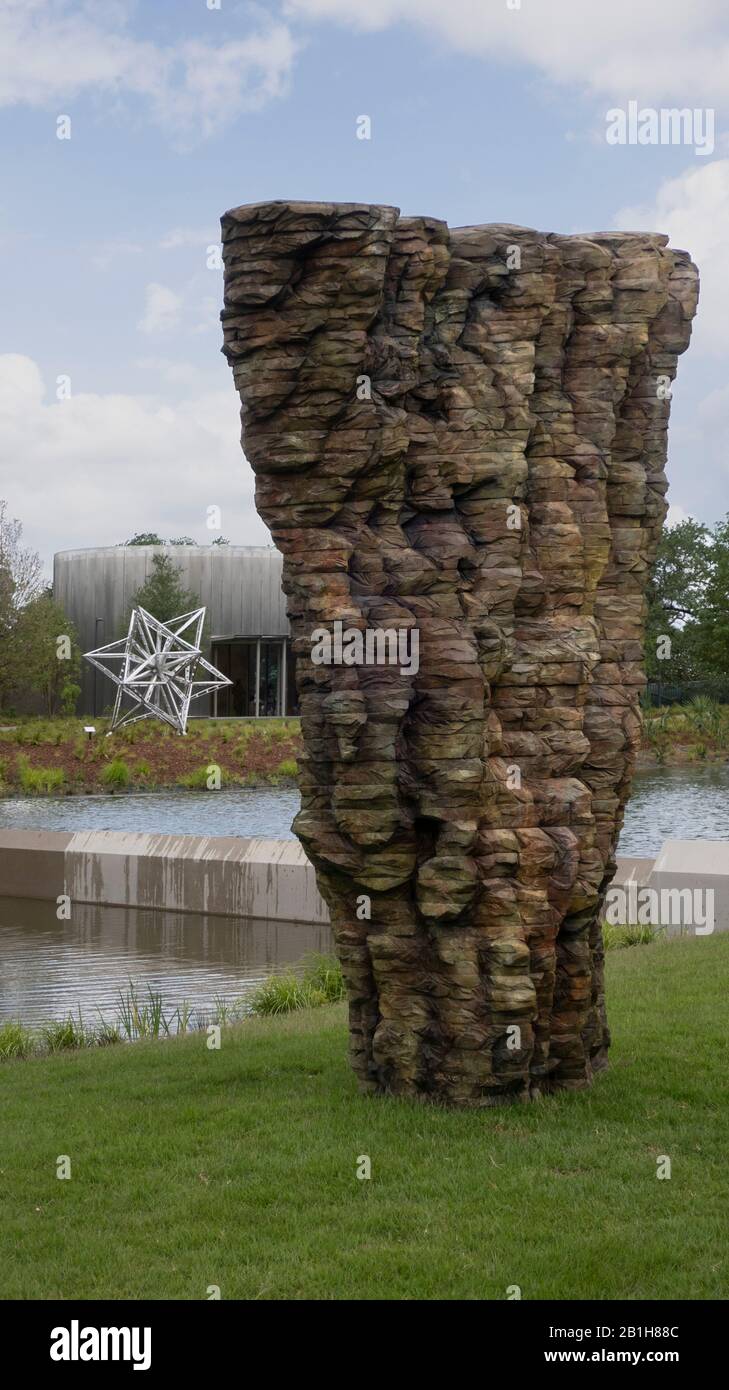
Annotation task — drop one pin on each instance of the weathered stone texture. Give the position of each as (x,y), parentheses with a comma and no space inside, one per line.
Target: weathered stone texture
(503,492)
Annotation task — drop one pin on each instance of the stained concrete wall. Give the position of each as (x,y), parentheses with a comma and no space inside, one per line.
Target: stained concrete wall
(689,884)
(268,879)
(699,867)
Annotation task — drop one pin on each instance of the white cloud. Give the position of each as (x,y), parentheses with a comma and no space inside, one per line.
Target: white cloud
(675,516)
(107,252)
(171,371)
(220,82)
(96,468)
(207,315)
(53,51)
(190,236)
(694,210)
(653,50)
(162,308)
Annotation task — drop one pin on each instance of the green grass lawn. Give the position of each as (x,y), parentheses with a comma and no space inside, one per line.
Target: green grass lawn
(237,1168)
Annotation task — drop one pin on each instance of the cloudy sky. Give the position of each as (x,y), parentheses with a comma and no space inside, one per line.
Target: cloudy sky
(117,411)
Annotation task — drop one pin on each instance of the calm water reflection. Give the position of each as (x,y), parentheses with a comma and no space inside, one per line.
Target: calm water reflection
(672,803)
(49,967)
(676,803)
(264,811)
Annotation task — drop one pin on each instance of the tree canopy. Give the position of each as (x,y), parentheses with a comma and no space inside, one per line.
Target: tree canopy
(49,657)
(145,538)
(39,652)
(688,593)
(163,593)
(152,538)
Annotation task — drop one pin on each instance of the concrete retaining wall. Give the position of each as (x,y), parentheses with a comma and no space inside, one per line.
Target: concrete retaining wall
(688,888)
(698,868)
(268,879)
(272,879)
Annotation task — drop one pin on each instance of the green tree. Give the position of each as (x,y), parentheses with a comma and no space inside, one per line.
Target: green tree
(48,654)
(676,594)
(20,583)
(711,630)
(163,593)
(145,538)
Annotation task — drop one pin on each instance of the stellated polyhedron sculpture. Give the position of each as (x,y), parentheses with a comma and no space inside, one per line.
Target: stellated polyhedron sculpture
(158,669)
(462,431)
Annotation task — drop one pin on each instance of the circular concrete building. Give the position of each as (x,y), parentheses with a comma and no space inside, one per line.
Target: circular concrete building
(239,585)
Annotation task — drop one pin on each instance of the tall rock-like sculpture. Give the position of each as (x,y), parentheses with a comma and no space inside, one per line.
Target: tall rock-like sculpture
(459,438)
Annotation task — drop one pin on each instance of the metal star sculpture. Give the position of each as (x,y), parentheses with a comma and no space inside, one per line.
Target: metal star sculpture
(158,668)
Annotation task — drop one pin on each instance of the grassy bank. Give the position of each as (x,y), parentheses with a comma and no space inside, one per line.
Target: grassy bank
(678,735)
(237,1167)
(316,980)
(41,757)
(55,757)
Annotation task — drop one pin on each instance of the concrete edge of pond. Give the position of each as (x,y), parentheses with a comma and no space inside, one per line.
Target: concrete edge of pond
(224,875)
(272,879)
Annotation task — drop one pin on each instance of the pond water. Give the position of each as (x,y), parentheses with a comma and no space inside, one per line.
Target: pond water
(264,811)
(676,803)
(670,803)
(48,968)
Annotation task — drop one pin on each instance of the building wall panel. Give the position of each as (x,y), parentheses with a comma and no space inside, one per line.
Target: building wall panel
(240,586)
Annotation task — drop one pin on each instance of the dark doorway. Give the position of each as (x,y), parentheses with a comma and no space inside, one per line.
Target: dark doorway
(260,669)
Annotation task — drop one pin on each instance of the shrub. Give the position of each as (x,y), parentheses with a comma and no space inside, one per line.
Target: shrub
(24,735)
(288,767)
(116,774)
(250,779)
(106,1034)
(320,983)
(199,779)
(70,692)
(142,770)
(15,1041)
(279,994)
(242,749)
(278,732)
(65,1033)
(132,733)
(705,714)
(324,973)
(37,731)
(616,937)
(39,780)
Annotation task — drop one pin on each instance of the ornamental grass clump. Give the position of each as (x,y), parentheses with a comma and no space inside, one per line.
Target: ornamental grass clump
(39,781)
(116,775)
(320,982)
